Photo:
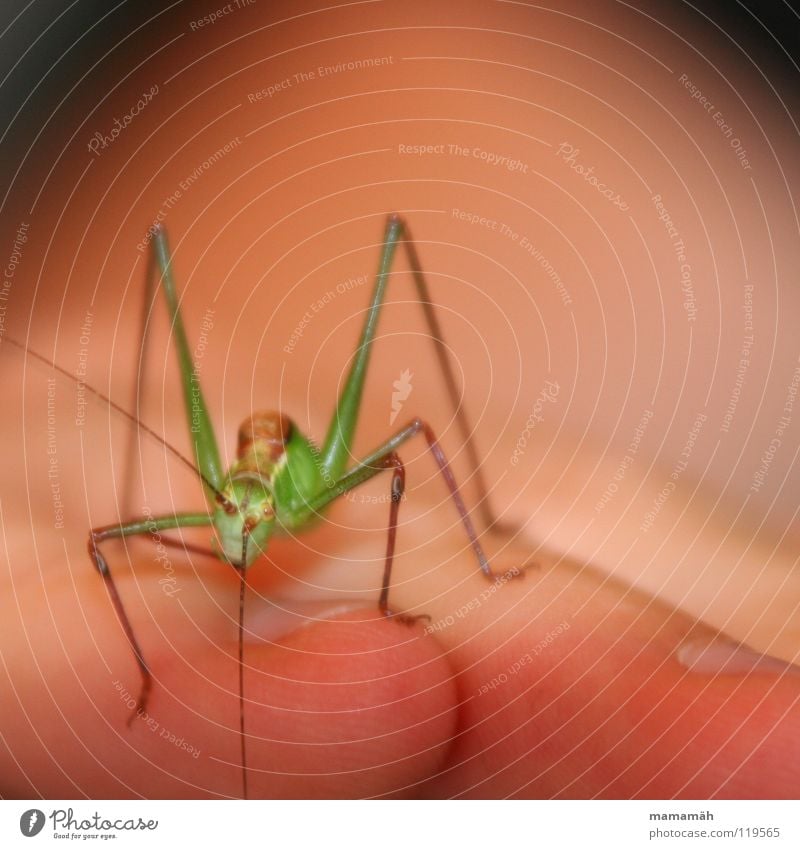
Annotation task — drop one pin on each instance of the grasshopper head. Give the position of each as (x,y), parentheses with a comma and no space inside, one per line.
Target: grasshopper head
(244,521)
(245,515)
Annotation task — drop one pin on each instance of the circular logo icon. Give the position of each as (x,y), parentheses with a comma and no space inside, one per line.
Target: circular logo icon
(31,822)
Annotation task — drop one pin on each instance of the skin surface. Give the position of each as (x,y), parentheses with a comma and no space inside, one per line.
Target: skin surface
(357,706)
(561,684)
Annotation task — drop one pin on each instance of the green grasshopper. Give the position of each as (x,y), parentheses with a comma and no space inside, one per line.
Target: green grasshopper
(281,481)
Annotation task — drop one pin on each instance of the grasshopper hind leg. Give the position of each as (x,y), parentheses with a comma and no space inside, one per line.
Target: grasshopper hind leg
(138,527)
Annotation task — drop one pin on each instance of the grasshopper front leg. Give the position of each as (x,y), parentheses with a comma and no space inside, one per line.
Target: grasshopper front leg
(139,526)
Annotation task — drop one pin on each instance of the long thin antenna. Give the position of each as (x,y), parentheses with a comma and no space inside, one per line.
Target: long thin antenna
(134,446)
(122,411)
(242,586)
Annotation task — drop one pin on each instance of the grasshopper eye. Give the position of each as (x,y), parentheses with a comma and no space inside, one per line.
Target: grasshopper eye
(228,506)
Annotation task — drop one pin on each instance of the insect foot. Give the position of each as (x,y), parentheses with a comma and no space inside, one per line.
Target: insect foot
(500,574)
(405,618)
(509,553)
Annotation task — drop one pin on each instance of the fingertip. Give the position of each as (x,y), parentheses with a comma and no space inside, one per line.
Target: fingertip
(353,706)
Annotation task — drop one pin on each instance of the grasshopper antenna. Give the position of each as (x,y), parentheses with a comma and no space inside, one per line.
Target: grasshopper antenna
(242,588)
(145,313)
(242,570)
(221,499)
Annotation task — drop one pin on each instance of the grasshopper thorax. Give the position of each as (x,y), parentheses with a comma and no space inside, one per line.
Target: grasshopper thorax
(245,515)
(266,435)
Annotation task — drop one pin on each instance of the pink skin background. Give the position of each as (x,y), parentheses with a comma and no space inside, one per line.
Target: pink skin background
(562,684)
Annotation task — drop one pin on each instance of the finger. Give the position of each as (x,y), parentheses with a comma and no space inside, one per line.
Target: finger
(355,705)
(571,687)
(352,707)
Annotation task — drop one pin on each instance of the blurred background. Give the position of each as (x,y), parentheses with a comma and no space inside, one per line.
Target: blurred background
(603,198)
